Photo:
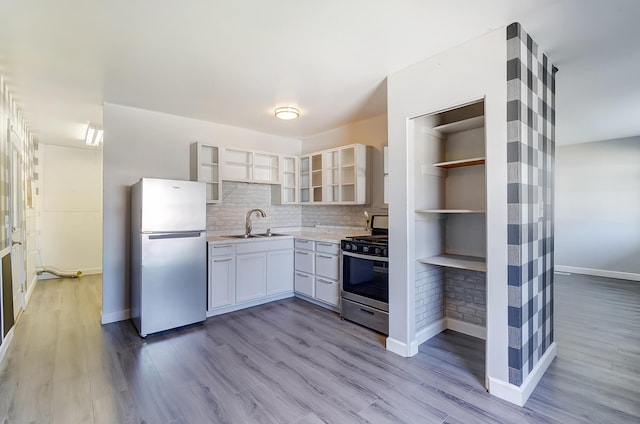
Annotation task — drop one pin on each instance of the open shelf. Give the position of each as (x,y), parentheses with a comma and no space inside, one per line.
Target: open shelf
(450,211)
(463,125)
(457,261)
(460,163)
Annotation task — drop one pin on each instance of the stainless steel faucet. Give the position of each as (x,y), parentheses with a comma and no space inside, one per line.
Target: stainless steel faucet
(247,222)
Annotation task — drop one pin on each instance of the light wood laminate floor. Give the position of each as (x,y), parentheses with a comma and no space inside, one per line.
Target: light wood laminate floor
(292,362)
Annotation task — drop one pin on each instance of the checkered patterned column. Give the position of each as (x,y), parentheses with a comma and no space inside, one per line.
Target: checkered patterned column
(531,161)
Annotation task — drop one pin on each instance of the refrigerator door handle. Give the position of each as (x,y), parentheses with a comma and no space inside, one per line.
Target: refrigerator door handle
(174,235)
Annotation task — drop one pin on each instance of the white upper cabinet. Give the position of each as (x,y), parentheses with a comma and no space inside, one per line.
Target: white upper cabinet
(205,167)
(333,176)
(336,176)
(252,167)
(287,191)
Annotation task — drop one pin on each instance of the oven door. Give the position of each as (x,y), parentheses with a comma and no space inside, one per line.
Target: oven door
(365,279)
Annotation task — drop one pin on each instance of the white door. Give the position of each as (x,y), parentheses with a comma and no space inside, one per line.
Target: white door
(16,218)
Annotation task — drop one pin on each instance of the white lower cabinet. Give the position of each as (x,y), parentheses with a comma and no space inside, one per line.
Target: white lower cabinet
(317,271)
(304,284)
(328,291)
(279,275)
(248,273)
(251,276)
(222,276)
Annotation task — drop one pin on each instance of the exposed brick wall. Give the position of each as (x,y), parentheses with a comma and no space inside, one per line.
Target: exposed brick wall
(466,295)
(430,299)
(349,216)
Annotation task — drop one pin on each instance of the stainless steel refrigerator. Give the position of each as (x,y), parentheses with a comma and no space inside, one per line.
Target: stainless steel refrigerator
(168,254)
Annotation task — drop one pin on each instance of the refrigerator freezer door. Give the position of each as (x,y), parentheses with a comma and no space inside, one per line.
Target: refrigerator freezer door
(173,281)
(172,205)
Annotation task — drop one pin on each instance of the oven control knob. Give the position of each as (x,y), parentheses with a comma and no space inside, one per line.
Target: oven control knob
(365,249)
(347,246)
(378,251)
(354,247)
(384,252)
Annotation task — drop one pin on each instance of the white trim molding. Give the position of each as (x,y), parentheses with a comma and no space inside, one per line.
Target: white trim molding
(5,251)
(431,330)
(452,324)
(520,395)
(250,303)
(401,348)
(109,317)
(598,272)
(6,342)
(32,286)
(467,328)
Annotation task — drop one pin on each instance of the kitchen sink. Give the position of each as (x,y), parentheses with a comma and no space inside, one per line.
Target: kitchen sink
(270,235)
(242,236)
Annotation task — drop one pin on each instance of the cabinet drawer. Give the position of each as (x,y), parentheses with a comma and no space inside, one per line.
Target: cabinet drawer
(303,283)
(305,244)
(217,249)
(327,291)
(328,266)
(325,247)
(304,261)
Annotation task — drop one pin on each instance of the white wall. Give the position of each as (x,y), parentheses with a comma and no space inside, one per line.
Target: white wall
(372,132)
(471,71)
(598,208)
(70,208)
(141,143)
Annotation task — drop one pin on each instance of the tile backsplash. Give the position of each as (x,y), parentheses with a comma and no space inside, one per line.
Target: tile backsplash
(238,198)
(350,216)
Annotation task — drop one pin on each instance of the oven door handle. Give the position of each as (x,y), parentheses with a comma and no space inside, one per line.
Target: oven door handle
(366,257)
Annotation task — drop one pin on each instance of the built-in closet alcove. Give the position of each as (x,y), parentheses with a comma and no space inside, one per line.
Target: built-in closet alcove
(450,221)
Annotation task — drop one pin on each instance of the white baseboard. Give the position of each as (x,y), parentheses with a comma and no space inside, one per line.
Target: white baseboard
(32,286)
(109,317)
(249,304)
(467,328)
(452,324)
(317,302)
(598,272)
(401,348)
(520,395)
(431,330)
(6,342)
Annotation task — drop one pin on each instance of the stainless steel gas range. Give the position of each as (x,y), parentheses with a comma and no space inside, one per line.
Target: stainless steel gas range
(365,277)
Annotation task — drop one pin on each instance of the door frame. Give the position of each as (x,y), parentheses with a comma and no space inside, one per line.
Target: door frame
(16,201)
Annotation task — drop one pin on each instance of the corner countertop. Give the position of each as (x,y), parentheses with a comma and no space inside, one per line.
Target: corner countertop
(326,234)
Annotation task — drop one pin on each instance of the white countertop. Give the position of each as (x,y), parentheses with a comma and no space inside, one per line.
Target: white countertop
(331,235)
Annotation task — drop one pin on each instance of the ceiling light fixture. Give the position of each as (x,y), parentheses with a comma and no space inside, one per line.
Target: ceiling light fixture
(286,113)
(94,135)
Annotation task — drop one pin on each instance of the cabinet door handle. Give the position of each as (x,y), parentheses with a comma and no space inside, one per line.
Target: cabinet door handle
(302,253)
(222,260)
(302,241)
(326,244)
(326,257)
(221,246)
(325,281)
(302,275)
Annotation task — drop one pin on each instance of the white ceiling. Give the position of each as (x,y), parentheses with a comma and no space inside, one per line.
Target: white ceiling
(232,62)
